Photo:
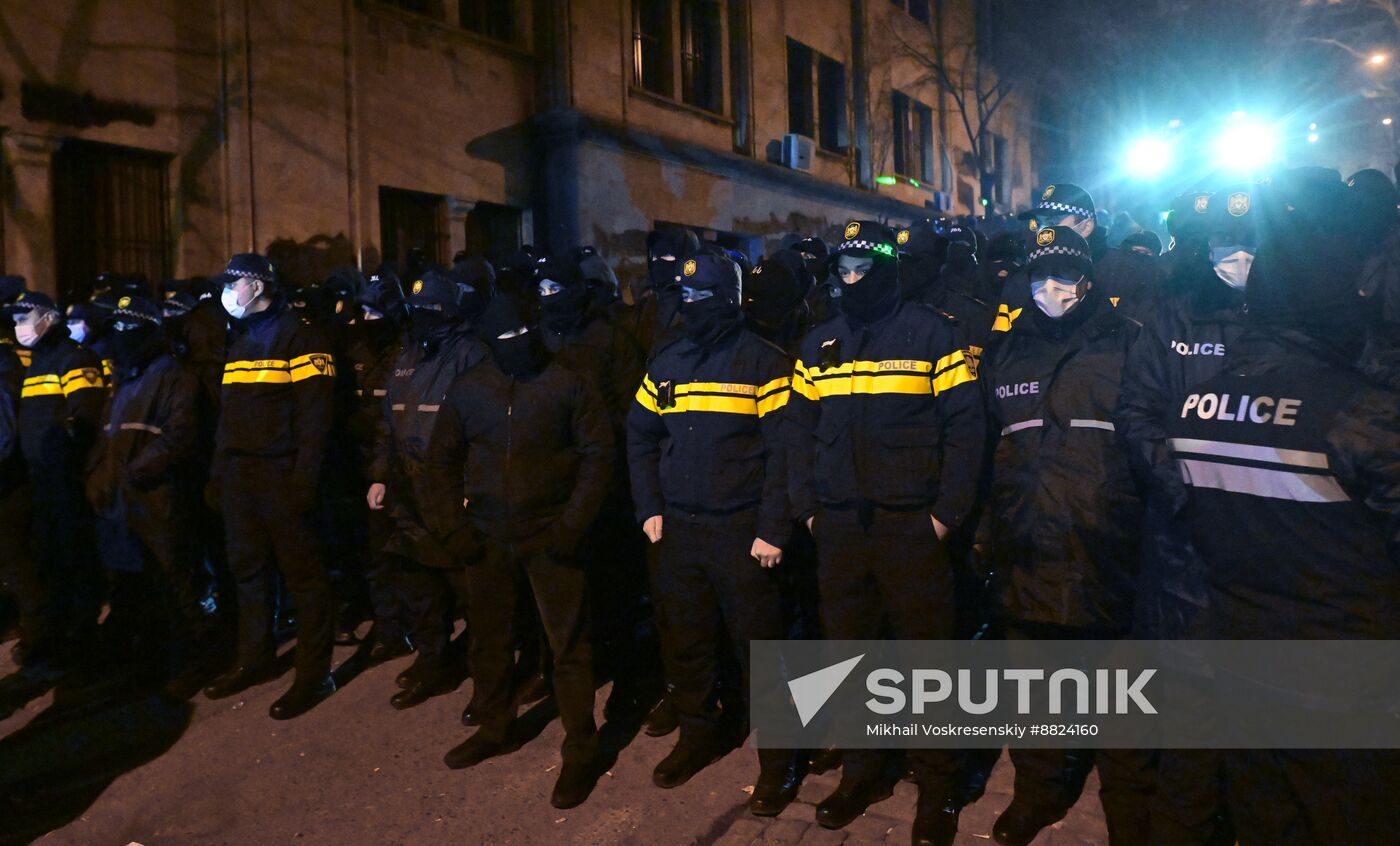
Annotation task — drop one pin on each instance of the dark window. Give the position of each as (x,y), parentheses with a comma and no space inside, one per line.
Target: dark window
(491,18)
(430,8)
(913,138)
(112,213)
(918,9)
(831,82)
(702,65)
(410,220)
(493,231)
(651,45)
(800,107)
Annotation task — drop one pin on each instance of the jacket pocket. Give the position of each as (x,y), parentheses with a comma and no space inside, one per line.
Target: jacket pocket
(902,466)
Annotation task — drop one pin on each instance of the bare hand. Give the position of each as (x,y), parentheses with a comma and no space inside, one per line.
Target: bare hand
(938,528)
(375,497)
(767,554)
(809,522)
(652,528)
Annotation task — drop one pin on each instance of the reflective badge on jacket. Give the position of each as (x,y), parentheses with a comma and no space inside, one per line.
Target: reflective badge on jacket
(277,371)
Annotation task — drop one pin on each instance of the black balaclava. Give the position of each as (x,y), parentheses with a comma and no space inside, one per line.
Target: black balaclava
(476,279)
(923,253)
(1371,205)
(706,320)
(815,255)
(875,295)
(775,291)
(519,356)
(603,287)
(563,295)
(341,288)
(434,312)
(135,337)
(680,244)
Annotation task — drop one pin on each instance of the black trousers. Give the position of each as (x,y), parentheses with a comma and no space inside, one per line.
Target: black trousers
(1189,806)
(429,598)
(267,535)
(67,570)
(19,576)
(1053,779)
(561,597)
(888,576)
(386,597)
(715,598)
(1318,796)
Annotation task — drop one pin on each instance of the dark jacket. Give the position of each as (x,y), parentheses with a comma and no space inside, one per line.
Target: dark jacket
(368,362)
(532,457)
(1064,510)
(609,355)
(409,410)
(141,466)
(278,397)
(60,404)
(1130,281)
(1291,498)
(1184,343)
(704,434)
(11,383)
(887,415)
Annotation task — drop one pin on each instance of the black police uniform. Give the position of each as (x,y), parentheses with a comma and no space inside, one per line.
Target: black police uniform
(60,405)
(427,568)
(141,486)
(277,405)
(1288,458)
(522,463)
(888,429)
(18,578)
(1062,526)
(707,455)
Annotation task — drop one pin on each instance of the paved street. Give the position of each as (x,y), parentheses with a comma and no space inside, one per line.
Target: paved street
(355,771)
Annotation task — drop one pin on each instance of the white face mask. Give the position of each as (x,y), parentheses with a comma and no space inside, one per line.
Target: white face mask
(26,334)
(1232,264)
(77,330)
(1057,296)
(235,309)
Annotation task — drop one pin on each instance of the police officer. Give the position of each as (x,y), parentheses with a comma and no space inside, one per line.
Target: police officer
(667,248)
(278,403)
(60,405)
(142,488)
(775,299)
(427,568)
(926,275)
(715,502)
(1290,499)
(888,433)
(17,592)
(1061,204)
(1052,385)
(523,450)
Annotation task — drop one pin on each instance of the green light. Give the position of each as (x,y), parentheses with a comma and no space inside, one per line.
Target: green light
(914,182)
(883,249)
(986,202)
(886,180)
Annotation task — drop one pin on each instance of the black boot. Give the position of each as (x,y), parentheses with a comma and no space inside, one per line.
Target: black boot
(423,688)
(662,720)
(1021,822)
(850,800)
(239,679)
(476,749)
(780,773)
(533,689)
(694,752)
(471,715)
(301,698)
(576,781)
(935,821)
(388,648)
(423,663)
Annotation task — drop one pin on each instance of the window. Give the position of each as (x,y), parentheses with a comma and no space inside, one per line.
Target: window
(494,19)
(913,138)
(917,9)
(651,45)
(410,220)
(429,8)
(702,76)
(831,82)
(112,209)
(493,231)
(816,111)
(800,108)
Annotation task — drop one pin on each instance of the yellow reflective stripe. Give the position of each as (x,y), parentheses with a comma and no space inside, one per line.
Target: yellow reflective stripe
(726,404)
(646,396)
(774,395)
(802,383)
(952,371)
(81,379)
(41,386)
(25,356)
(107,368)
(266,371)
(312,364)
(1005,317)
(890,376)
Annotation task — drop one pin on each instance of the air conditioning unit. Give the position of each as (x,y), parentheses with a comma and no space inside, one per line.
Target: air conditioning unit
(797,151)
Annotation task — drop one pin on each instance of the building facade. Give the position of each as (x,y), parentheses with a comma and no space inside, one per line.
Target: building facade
(160,136)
